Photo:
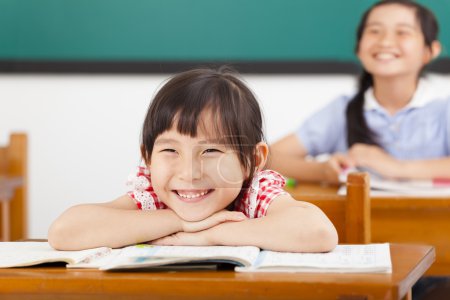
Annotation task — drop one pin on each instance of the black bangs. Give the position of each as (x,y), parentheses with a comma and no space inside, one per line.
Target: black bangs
(198,102)
(212,106)
(216,102)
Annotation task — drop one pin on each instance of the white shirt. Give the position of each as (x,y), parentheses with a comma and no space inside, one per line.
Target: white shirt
(421,130)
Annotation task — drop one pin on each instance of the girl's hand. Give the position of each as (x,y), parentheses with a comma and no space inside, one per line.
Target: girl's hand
(181,238)
(199,233)
(335,165)
(375,158)
(213,220)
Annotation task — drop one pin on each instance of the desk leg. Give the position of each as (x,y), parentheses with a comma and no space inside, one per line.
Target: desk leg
(408,295)
(5,221)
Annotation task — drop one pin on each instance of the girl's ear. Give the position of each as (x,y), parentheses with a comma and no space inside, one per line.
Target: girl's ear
(261,152)
(433,52)
(435,49)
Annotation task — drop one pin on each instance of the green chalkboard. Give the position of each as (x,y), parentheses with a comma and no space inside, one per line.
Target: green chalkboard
(186,30)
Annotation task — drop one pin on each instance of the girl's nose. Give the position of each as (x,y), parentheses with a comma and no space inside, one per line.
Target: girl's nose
(190,169)
(387,39)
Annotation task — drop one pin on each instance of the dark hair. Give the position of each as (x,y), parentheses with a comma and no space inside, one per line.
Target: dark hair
(181,101)
(357,128)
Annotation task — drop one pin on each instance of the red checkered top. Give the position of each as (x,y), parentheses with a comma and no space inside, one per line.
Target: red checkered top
(265,186)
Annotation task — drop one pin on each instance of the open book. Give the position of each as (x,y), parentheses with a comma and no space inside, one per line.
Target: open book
(23,254)
(379,186)
(371,258)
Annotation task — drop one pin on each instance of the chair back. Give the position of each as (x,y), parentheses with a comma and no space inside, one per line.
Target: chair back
(13,188)
(349,213)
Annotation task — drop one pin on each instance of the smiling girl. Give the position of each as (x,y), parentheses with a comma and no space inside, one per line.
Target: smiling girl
(394,125)
(202,182)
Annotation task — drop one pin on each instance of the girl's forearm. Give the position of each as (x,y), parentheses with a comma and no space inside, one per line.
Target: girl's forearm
(90,226)
(295,230)
(411,169)
(424,169)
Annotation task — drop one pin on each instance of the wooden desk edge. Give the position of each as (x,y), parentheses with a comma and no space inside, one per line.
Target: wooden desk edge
(404,283)
(418,271)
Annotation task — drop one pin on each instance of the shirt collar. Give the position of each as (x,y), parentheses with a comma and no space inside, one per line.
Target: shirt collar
(421,97)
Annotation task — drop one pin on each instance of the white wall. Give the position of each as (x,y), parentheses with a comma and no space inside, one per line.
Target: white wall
(84,130)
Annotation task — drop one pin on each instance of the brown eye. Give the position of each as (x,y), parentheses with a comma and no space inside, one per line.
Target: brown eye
(169,150)
(402,32)
(212,150)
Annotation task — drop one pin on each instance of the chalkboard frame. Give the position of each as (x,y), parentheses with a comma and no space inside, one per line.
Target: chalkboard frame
(441,66)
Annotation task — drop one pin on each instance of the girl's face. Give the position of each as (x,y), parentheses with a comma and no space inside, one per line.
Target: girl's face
(195,177)
(392,43)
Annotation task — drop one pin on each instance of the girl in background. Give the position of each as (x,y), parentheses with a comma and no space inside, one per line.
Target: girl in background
(393,126)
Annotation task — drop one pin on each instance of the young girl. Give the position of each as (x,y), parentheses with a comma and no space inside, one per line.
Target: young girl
(393,126)
(202,183)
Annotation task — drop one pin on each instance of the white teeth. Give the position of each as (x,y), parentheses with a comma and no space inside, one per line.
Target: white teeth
(190,196)
(385,56)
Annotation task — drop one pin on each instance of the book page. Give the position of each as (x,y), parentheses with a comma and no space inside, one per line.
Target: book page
(380,186)
(344,258)
(409,187)
(140,256)
(342,191)
(96,260)
(19,254)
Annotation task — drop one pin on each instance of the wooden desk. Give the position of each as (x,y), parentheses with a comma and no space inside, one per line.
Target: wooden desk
(409,263)
(397,219)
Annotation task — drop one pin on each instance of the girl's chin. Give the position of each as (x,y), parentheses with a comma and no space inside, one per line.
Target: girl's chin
(190,217)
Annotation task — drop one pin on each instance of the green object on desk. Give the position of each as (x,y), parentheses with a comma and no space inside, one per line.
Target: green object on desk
(291,182)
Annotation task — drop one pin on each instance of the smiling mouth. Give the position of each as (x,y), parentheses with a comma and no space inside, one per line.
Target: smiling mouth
(192,195)
(385,56)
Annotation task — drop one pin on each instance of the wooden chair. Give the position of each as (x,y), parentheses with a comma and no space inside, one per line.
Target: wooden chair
(13,188)
(350,214)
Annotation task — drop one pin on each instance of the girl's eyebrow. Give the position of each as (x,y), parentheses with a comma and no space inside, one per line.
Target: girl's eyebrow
(406,25)
(166,141)
(214,141)
(398,24)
